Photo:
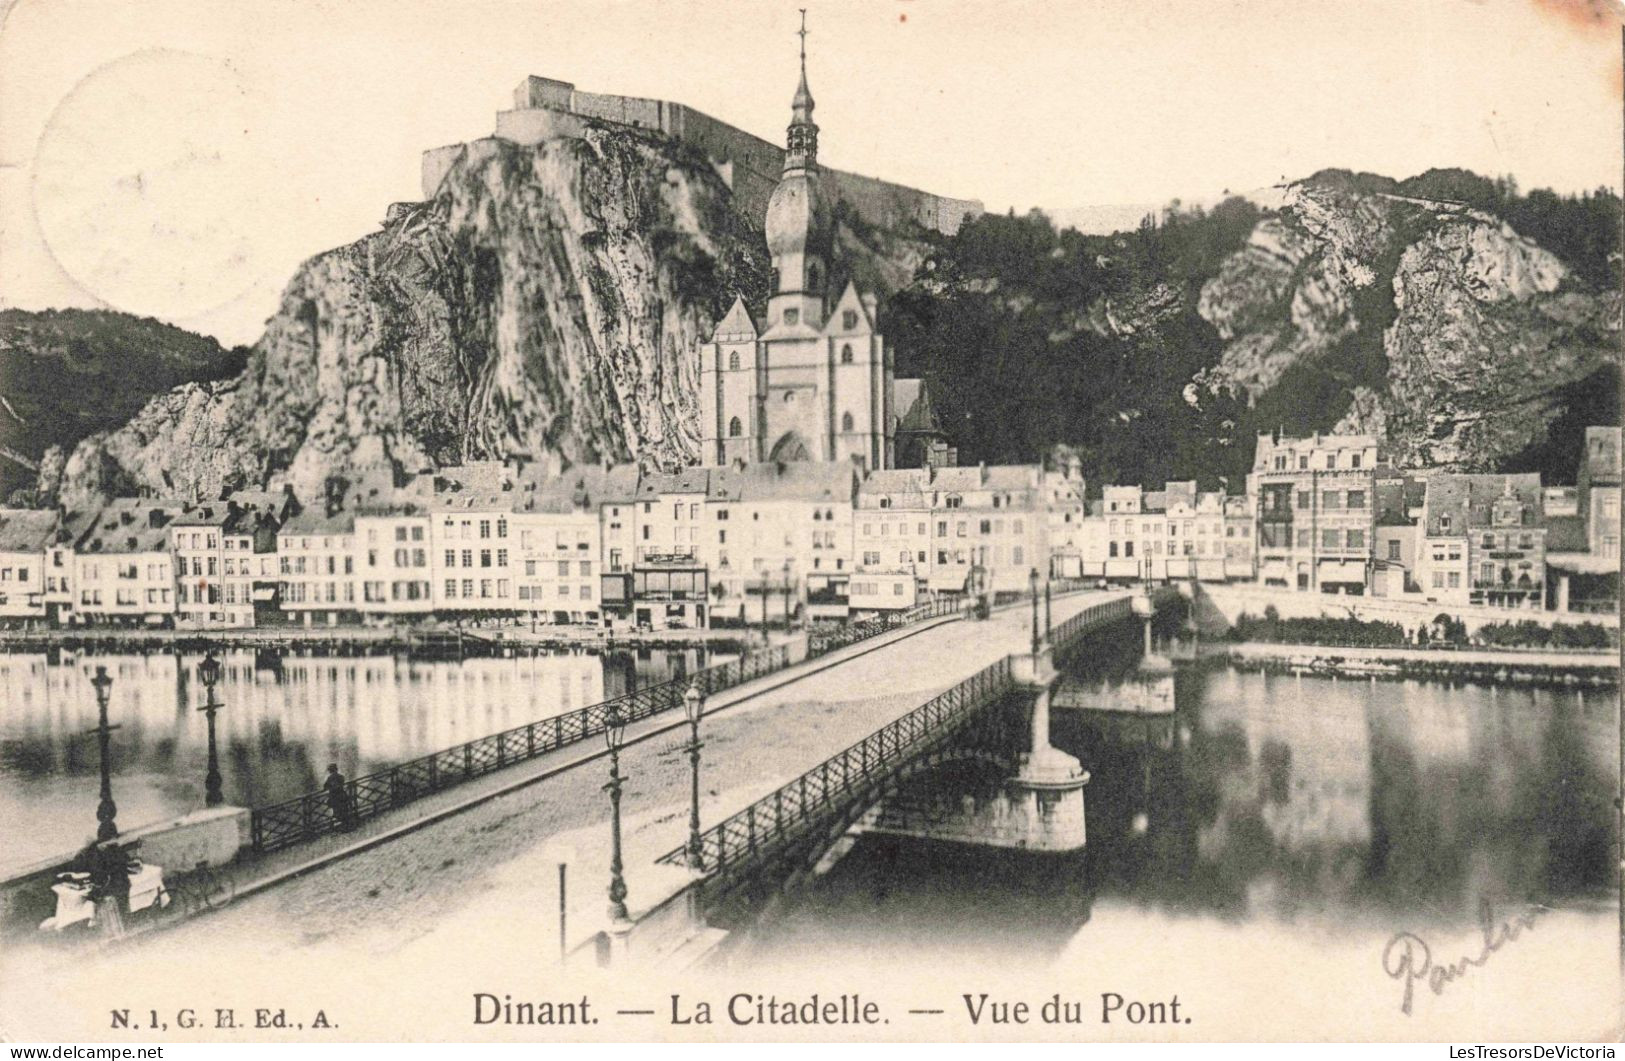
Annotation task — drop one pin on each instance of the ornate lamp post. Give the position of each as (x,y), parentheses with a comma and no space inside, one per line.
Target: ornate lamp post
(694,707)
(1032,585)
(106,809)
(1048,623)
(209,672)
(614,734)
(787,596)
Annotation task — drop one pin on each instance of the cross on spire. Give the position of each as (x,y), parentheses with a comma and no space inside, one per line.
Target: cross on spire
(801,145)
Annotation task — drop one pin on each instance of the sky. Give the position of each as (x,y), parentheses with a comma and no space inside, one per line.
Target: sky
(179,158)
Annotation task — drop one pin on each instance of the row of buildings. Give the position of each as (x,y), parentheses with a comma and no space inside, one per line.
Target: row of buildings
(602,546)
(1328,514)
(767,541)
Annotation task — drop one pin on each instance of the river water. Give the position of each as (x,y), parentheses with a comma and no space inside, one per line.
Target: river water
(1264,845)
(285,719)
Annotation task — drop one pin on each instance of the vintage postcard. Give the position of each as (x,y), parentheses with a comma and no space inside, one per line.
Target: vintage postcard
(900,520)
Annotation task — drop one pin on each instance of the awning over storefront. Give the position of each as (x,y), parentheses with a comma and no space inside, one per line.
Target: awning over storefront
(1342,571)
(1582,563)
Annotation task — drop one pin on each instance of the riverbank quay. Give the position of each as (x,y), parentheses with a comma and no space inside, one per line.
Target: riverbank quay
(1488,666)
(1216,607)
(373,640)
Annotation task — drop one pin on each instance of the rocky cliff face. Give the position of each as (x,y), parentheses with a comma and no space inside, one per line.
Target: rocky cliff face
(66,374)
(1451,333)
(548,302)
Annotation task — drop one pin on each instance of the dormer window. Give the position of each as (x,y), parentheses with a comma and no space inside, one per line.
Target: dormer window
(792,316)
(849,319)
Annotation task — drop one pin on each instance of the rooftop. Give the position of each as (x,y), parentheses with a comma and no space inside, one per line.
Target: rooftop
(131,525)
(27,530)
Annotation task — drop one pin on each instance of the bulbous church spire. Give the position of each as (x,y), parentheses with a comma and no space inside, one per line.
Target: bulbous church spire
(800,223)
(801,144)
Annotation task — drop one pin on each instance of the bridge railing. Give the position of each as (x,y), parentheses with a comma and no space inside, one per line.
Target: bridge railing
(315,814)
(831,785)
(822,641)
(1089,618)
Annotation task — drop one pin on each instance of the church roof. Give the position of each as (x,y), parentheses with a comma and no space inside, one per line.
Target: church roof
(812,481)
(736,326)
(911,405)
(849,300)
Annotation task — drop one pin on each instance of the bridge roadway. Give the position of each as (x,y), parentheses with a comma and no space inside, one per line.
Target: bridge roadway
(418,897)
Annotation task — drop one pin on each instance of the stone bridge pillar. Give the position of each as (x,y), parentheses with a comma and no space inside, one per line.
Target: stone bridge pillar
(1039,808)
(1045,806)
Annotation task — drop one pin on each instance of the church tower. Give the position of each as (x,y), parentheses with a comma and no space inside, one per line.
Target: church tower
(812,380)
(800,225)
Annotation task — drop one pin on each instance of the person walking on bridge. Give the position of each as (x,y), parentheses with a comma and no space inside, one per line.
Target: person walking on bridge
(338,798)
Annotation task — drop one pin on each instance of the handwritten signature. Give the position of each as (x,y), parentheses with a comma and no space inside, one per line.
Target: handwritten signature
(1408,958)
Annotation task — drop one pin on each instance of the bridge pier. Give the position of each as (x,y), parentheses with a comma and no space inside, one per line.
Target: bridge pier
(1045,805)
(1038,808)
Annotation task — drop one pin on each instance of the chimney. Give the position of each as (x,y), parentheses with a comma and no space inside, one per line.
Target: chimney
(981,472)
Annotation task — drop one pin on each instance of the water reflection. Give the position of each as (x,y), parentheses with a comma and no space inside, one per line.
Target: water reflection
(285,719)
(1263,800)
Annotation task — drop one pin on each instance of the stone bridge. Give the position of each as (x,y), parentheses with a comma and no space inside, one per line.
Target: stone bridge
(409,883)
(1009,786)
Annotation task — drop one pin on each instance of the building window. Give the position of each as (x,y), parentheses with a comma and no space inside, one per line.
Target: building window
(846,421)
(1354,462)
(733,361)
(1356,499)
(849,320)
(735,427)
(1356,539)
(1393,549)
(791,316)
(846,353)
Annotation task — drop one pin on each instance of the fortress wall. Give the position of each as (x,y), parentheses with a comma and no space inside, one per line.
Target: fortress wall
(437,162)
(536,92)
(890,205)
(531,127)
(625,110)
(545,109)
